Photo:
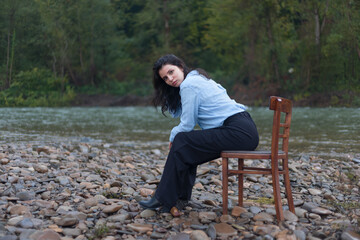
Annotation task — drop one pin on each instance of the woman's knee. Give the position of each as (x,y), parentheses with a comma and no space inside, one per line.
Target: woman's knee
(179,138)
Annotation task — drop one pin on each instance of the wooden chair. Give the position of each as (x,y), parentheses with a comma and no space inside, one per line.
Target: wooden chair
(279,105)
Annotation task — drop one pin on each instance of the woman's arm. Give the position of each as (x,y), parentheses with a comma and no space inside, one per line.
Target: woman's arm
(189,111)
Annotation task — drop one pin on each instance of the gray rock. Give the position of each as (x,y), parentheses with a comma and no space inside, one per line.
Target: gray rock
(350,235)
(309,205)
(25,196)
(26,223)
(300,235)
(255,210)
(72,232)
(289,216)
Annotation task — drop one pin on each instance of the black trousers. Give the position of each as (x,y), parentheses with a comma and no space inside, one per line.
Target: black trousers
(190,149)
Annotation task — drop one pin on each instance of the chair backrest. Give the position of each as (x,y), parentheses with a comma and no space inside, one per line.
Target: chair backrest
(281,125)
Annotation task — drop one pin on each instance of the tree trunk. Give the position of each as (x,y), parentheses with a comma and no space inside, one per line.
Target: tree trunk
(317,26)
(167,26)
(273,53)
(7,79)
(12,57)
(9,48)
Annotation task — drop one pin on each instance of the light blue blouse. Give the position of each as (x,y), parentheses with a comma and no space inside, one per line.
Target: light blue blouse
(203,102)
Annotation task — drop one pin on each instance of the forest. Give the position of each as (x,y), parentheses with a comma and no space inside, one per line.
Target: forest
(52,51)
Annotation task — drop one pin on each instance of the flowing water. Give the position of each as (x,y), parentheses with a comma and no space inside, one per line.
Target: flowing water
(323,132)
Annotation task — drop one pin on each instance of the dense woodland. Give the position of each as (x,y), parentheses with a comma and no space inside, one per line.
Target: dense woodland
(53,50)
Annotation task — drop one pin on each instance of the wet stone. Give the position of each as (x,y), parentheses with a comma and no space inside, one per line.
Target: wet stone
(199,235)
(265,217)
(207,217)
(98,186)
(255,210)
(289,216)
(141,228)
(321,211)
(237,211)
(225,230)
(25,196)
(147,213)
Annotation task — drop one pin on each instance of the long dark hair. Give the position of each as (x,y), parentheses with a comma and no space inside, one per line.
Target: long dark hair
(166,96)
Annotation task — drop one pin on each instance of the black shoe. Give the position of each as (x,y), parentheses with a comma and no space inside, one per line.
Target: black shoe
(152,204)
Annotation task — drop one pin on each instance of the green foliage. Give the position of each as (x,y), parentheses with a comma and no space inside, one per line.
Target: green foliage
(37,88)
(101,231)
(296,47)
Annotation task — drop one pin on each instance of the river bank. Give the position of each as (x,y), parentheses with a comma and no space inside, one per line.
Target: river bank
(249,97)
(90,191)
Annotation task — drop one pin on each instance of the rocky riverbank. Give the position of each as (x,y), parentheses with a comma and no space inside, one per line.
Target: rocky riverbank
(90,191)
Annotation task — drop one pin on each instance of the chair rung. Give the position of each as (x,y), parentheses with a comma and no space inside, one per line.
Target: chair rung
(237,172)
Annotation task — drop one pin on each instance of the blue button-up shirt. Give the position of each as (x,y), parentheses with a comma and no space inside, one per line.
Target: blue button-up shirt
(203,102)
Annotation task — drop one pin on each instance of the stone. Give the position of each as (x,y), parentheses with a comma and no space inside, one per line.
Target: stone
(313,191)
(300,212)
(119,218)
(91,202)
(286,235)
(26,223)
(15,220)
(309,205)
(265,217)
(40,168)
(19,210)
(266,229)
(141,228)
(66,221)
(25,196)
(46,234)
(211,231)
(289,216)
(227,219)
(321,211)
(112,208)
(237,211)
(255,210)
(4,161)
(72,232)
(147,213)
(199,235)
(350,235)
(145,192)
(63,180)
(207,217)
(300,235)
(224,230)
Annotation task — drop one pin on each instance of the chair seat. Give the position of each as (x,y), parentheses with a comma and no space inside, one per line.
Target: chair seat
(259,154)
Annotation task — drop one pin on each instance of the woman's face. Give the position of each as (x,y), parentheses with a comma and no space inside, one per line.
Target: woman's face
(172,75)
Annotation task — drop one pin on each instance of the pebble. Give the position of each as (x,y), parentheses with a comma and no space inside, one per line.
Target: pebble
(68,191)
(224,230)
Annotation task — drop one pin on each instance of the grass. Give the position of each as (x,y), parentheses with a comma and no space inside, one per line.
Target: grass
(100,232)
(264,200)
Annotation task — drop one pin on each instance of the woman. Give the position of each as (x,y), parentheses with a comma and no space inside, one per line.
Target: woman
(196,99)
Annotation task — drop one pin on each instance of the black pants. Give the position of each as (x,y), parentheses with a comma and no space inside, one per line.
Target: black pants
(190,149)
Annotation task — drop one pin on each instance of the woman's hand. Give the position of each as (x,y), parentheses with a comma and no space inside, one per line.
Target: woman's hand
(170,144)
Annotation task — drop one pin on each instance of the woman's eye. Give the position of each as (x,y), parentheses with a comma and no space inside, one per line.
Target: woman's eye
(171,71)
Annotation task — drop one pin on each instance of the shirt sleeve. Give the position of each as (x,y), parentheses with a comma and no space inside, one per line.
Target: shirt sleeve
(189,113)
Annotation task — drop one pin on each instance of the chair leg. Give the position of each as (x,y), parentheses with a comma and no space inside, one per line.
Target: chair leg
(288,186)
(276,189)
(225,176)
(241,181)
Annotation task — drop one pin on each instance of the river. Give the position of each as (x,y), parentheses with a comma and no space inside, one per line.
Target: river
(323,132)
